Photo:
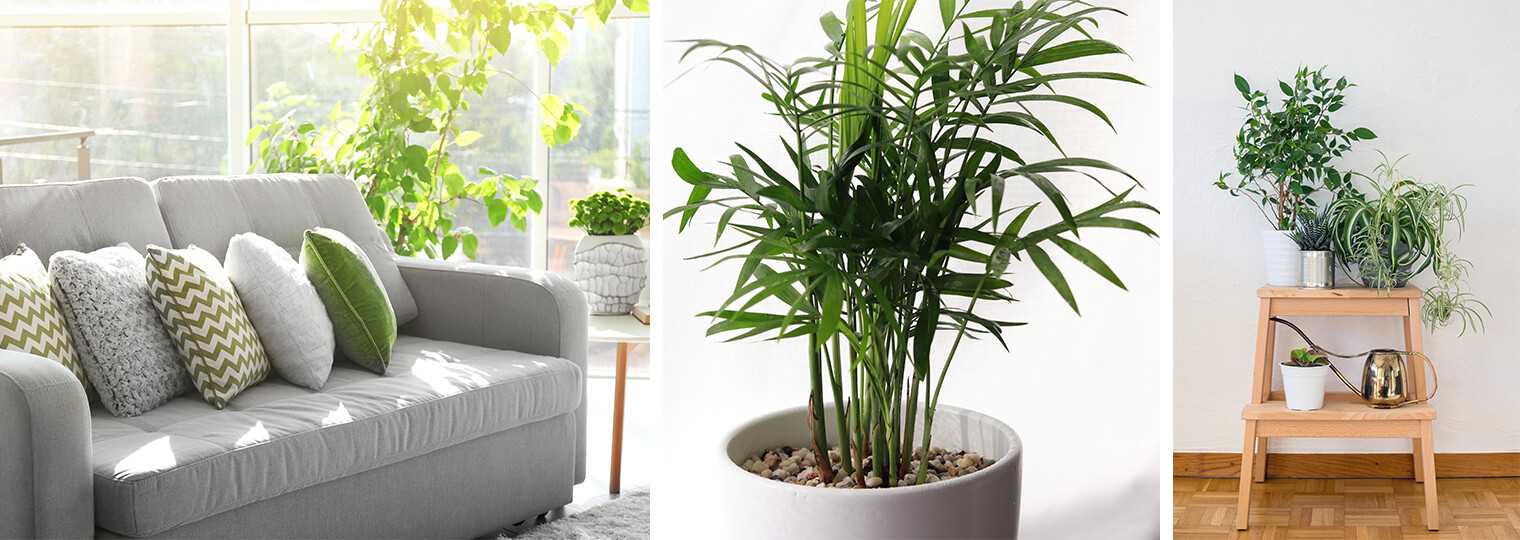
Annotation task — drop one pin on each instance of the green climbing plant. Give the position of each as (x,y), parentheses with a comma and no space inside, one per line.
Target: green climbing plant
(427,62)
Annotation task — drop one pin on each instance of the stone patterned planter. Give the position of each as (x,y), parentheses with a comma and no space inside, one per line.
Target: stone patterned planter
(612,271)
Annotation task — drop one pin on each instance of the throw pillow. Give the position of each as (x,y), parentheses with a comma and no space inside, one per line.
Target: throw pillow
(284,309)
(363,321)
(29,317)
(126,352)
(198,304)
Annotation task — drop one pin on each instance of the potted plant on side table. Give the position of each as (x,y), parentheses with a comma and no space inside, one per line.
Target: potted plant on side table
(1316,267)
(1304,379)
(889,224)
(1386,241)
(611,265)
(1282,158)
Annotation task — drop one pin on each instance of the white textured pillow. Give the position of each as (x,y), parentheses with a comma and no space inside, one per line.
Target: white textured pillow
(283,307)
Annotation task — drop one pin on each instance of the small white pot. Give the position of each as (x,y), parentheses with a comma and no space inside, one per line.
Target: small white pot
(983,504)
(1282,258)
(1304,387)
(611,270)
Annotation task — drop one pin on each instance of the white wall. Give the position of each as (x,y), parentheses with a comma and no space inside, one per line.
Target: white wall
(1438,85)
(1081,391)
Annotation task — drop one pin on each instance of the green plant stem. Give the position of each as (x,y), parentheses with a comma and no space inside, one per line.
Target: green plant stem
(923,462)
(815,407)
(840,413)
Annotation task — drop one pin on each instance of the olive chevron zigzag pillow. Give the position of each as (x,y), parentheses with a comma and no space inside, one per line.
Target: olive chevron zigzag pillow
(202,311)
(29,318)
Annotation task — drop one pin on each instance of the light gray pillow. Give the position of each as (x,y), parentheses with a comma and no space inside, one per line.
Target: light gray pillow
(284,309)
(126,352)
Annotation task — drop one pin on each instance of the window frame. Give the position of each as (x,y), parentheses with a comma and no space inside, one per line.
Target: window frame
(238,18)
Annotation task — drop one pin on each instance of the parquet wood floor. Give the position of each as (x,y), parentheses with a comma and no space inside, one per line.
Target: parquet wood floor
(1357,508)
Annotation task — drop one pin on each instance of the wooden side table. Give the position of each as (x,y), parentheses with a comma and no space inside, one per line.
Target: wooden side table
(1344,414)
(625,331)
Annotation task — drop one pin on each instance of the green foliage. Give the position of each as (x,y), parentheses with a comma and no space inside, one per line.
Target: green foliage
(1307,358)
(609,213)
(892,218)
(1313,231)
(427,61)
(1283,156)
(1395,237)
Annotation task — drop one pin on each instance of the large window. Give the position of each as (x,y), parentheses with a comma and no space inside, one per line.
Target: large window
(172,86)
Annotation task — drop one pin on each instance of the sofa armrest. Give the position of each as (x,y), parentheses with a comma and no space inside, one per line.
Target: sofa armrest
(46,488)
(506,308)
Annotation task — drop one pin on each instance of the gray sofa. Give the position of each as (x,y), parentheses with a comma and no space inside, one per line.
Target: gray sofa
(479,422)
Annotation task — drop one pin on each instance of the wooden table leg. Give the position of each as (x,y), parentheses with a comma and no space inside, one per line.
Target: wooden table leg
(614,480)
(1247,455)
(1261,459)
(1428,455)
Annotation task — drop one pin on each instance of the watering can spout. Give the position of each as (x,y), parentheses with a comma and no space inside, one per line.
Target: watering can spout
(1385,380)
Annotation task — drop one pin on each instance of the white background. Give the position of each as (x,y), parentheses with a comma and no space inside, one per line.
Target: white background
(1082,391)
(1437,85)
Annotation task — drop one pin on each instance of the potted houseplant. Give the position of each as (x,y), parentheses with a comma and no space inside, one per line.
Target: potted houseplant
(1283,157)
(887,226)
(611,265)
(1387,240)
(1304,379)
(1316,260)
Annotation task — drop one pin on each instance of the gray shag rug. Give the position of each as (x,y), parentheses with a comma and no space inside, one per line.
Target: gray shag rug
(626,518)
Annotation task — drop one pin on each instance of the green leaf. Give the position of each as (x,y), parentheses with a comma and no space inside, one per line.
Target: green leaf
(497,211)
(450,244)
(500,38)
(471,242)
(1087,257)
(1052,274)
(1242,85)
(467,138)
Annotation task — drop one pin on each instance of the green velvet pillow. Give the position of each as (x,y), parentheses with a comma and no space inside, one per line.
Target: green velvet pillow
(364,324)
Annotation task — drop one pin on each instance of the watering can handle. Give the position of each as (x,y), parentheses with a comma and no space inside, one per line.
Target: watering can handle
(1435,382)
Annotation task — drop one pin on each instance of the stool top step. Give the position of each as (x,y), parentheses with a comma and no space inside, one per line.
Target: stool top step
(1340,291)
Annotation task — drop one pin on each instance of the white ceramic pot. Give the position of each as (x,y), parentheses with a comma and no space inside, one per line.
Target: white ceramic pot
(983,504)
(611,270)
(1304,387)
(1282,258)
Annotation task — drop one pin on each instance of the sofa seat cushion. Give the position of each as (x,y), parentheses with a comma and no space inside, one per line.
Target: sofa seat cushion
(186,460)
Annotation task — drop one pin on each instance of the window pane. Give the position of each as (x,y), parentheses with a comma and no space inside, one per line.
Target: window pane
(156,96)
(308,4)
(607,72)
(55,6)
(295,70)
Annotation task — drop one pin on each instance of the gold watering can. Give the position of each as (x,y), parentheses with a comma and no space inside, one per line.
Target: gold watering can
(1385,380)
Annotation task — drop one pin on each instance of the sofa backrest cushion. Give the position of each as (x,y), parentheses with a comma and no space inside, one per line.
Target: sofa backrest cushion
(80,216)
(207,211)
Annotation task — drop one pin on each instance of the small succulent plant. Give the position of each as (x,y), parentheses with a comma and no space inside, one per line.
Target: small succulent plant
(609,213)
(1307,357)
(1312,232)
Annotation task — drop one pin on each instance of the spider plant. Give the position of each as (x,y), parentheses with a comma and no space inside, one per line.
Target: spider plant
(1402,233)
(891,221)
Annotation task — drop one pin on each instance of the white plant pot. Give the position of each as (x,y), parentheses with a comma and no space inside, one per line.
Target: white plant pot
(983,504)
(611,270)
(1304,387)
(1282,258)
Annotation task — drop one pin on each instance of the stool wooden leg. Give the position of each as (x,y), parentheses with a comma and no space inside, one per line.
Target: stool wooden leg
(1247,456)
(1261,459)
(1428,455)
(1419,459)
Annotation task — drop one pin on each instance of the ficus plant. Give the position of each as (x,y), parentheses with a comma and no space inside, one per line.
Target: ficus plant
(890,223)
(609,213)
(1306,358)
(427,60)
(1283,155)
(1409,227)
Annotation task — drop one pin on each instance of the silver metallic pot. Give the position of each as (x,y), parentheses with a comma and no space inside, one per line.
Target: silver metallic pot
(1316,270)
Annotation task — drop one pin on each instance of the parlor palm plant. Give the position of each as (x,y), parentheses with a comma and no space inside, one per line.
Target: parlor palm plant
(893,201)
